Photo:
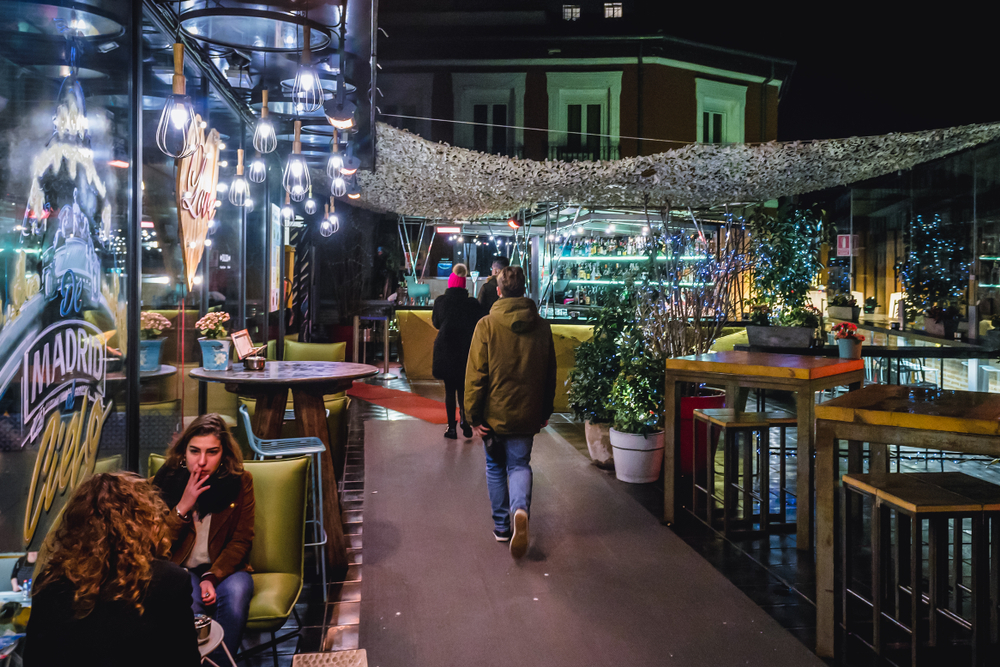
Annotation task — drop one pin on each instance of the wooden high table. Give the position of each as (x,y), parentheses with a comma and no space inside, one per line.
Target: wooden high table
(739,372)
(955,421)
(309,381)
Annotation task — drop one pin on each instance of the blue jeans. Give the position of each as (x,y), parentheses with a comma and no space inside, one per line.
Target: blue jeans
(231,608)
(508,477)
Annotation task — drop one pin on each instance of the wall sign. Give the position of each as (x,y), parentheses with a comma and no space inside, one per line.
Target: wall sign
(197,178)
(847,245)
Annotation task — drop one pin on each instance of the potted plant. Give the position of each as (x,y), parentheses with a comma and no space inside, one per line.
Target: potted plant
(786,260)
(636,397)
(843,307)
(591,380)
(214,342)
(871,304)
(942,321)
(848,340)
(151,328)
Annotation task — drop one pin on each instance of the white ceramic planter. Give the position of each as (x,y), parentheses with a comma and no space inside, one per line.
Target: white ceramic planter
(638,458)
(598,442)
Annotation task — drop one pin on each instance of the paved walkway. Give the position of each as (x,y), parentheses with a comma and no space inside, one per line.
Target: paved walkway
(603,582)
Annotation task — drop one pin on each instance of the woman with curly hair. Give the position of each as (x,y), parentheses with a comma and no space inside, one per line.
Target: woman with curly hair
(211,520)
(105,596)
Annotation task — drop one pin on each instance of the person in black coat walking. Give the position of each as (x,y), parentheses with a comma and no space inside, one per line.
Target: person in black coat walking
(455,317)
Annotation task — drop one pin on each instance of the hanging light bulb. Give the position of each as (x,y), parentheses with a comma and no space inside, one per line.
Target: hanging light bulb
(248,205)
(287,212)
(336,161)
(296,179)
(264,139)
(258,170)
(239,191)
(338,188)
(326,227)
(307,91)
(351,164)
(176,134)
(340,112)
(353,189)
(310,203)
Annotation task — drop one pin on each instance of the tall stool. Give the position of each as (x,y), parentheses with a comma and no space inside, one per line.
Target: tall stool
(898,599)
(738,489)
(306,446)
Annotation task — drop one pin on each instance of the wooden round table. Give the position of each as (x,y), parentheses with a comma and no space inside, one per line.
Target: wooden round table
(309,381)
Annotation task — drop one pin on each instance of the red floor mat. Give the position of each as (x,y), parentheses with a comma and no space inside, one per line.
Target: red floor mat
(401,401)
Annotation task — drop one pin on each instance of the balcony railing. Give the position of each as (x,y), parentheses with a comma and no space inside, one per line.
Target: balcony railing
(583,153)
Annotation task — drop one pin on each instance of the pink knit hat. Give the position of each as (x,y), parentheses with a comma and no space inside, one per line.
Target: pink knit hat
(455,280)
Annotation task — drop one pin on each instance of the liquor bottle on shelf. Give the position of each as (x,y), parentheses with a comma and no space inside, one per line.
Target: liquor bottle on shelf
(582,272)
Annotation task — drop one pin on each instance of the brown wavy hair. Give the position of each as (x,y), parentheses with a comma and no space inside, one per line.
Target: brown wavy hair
(210,424)
(112,528)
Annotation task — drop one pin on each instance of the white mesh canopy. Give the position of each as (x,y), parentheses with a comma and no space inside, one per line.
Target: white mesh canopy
(417,177)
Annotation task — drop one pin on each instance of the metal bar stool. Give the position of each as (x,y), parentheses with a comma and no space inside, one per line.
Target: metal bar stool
(739,490)
(306,446)
(901,605)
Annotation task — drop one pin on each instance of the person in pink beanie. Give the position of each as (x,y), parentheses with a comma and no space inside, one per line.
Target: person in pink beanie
(455,317)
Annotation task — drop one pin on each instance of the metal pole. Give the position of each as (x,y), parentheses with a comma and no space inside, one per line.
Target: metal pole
(357,326)
(133,261)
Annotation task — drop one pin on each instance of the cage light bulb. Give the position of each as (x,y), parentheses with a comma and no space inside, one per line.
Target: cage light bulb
(339,187)
(176,134)
(258,170)
(264,138)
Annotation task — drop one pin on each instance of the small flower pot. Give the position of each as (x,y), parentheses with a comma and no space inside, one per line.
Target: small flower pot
(638,458)
(150,352)
(850,348)
(214,353)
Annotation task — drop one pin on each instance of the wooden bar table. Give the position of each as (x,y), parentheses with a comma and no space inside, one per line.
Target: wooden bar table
(309,381)
(739,372)
(954,421)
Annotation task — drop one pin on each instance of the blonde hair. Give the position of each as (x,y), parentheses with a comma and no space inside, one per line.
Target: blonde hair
(460,270)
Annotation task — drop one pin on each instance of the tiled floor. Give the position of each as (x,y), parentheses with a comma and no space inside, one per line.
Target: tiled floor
(767,569)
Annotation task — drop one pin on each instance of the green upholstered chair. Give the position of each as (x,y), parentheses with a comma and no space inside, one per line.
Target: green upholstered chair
(278,548)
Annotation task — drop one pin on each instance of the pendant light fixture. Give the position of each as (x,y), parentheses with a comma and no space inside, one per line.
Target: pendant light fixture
(296,179)
(258,170)
(339,110)
(307,90)
(336,161)
(338,188)
(176,134)
(287,212)
(325,228)
(264,138)
(353,189)
(310,205)
(239,191)
(351,164)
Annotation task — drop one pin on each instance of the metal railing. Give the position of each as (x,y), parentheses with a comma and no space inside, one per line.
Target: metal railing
(583,153)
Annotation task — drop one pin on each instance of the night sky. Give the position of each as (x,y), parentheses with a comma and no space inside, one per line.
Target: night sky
(862,73)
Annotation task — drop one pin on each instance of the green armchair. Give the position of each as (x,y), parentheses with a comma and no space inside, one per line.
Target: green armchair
(279,535)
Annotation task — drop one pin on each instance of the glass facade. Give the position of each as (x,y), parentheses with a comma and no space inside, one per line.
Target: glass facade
(89,238)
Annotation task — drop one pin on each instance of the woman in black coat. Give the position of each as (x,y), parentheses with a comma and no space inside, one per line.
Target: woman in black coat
(455,317)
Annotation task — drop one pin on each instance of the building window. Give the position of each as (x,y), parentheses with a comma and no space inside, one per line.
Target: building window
(712,123)
(612,10)
(489,134)
(584,109)
(571,12)
(494,103)
(721,111)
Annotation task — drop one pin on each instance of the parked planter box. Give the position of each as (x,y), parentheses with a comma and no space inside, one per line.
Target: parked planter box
(846,313)
(780,336)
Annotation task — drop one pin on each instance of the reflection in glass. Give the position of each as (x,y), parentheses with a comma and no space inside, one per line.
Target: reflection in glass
(258,170)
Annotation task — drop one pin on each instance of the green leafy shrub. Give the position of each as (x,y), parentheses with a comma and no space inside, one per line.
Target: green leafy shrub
(597,361)
(637,393)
